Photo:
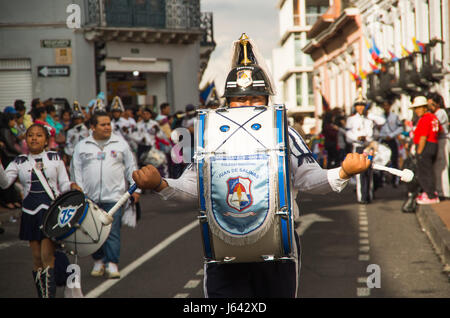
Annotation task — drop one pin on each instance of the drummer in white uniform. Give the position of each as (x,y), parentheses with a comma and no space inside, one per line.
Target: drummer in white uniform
(360,132)
(78,132)
(266,279)
(43,177)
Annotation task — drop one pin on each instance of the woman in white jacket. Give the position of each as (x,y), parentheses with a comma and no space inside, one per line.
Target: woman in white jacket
(37,199)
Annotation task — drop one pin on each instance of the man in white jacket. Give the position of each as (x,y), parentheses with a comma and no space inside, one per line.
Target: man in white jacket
(102,164)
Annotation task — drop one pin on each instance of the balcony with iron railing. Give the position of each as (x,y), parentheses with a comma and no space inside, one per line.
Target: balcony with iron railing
(148,21)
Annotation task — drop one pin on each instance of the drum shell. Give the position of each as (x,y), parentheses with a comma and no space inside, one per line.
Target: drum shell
(270,244)
(90,235)
(84,233)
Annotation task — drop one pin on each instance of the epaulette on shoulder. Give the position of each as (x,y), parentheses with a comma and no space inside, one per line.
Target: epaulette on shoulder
(20,159)
(53,155)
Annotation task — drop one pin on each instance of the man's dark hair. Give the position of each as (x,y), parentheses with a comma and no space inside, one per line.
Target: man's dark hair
(19,105)
(437,98)
(96,115)
(163,105)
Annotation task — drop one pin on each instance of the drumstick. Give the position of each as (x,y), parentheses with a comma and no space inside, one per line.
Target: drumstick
(405,175)
(119,203)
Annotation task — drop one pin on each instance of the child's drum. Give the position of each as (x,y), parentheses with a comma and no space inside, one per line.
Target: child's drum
(77,223)
(242,157)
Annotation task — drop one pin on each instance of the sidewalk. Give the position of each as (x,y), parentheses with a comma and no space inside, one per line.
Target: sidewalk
(435,221)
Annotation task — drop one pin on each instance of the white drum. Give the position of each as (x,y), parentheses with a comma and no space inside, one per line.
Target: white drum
(75,222)
(242,159)
(382,155)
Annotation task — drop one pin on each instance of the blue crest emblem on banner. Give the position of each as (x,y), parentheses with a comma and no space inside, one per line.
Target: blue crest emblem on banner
(239,193)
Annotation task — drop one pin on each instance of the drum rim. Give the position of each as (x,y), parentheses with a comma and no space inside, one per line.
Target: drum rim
(55,204)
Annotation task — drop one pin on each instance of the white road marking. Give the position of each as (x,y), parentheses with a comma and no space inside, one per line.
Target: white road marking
(181,295)
(307,220)
(362,292)
(193,283)
(364,248)
(364,257)
(96,292)
(201,272)
(362,280)
(14,243)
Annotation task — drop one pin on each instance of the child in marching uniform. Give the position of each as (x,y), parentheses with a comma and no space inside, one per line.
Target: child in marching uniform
(30,170)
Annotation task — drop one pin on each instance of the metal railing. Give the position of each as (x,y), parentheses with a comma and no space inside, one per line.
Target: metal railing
(158,14)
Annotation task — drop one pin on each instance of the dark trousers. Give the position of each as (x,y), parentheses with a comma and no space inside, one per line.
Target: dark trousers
(392,144)
(245,280)
(425,172)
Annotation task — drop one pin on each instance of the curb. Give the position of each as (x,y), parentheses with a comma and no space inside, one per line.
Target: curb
(437,233)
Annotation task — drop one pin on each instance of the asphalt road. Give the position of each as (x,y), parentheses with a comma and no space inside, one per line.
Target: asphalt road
(343,244)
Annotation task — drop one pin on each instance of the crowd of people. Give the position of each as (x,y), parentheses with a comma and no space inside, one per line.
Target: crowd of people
(341,134)
(142,127)
(48,135)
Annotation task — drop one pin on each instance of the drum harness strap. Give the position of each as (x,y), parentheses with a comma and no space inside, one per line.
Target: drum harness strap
(42,179)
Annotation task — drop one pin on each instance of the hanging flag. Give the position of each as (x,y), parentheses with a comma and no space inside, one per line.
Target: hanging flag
(405,52)
(418,46)
(362,73)
(394,58)
(355,76)
(375,68)
(374,51)
(207,93)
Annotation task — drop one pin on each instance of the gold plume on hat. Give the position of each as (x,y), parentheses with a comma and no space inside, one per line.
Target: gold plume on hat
(244,41)
(117,104)
(360,100)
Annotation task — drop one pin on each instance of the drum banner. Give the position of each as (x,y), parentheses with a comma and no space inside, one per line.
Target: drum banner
(240,197)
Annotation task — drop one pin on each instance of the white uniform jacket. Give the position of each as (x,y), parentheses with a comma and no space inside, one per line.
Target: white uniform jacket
(21,167)
(146,132)
(306,174)
(102,172)
(359,126)
(74,136)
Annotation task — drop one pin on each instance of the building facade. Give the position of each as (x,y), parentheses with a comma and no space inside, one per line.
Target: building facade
(293,69)
(393,50)
(413,38)
(145,51)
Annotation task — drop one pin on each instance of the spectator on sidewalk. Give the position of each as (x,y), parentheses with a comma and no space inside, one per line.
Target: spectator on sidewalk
(389,133)
(437,107)
(10,148)
(19,106)
(426,143)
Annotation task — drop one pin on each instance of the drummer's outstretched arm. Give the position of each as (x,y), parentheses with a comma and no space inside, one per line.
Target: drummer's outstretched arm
(182,189)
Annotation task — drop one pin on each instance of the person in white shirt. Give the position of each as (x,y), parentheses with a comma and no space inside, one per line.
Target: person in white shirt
(360,130)
(101,165)
(78,132)
(440,166)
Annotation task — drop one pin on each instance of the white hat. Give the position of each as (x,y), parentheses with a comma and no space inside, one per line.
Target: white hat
(419,101)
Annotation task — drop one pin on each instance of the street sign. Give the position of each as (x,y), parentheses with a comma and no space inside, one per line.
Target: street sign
(52,44)
(53,71)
